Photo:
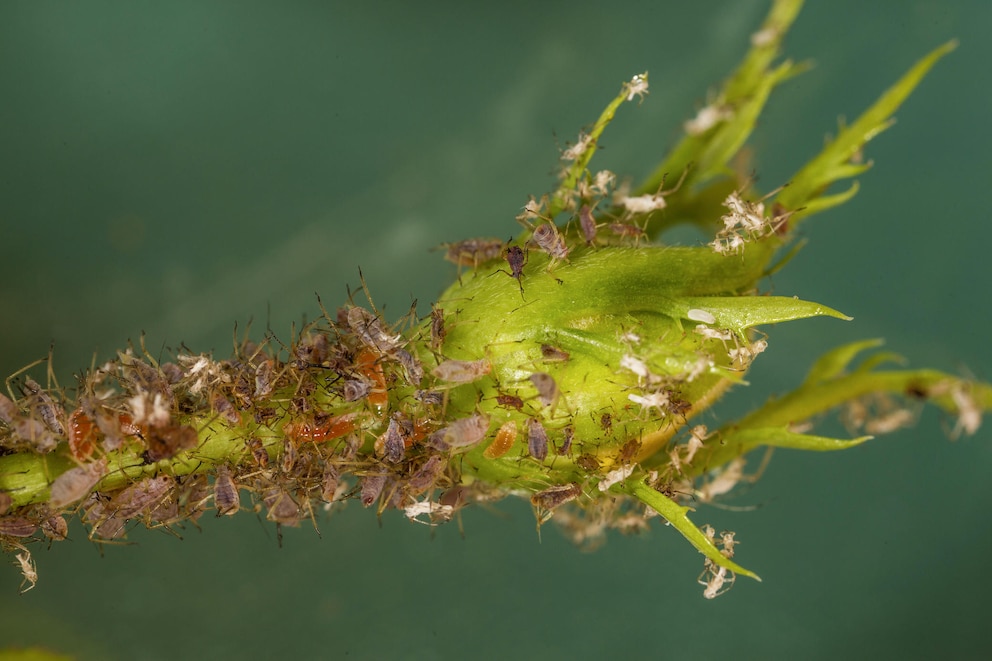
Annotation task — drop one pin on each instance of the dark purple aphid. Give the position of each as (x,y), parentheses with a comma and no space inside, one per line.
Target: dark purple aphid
(588,224)
(372,486)
(425,476)
(515,259)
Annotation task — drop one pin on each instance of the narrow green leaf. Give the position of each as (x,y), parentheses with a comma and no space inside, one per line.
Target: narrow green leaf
(835,362)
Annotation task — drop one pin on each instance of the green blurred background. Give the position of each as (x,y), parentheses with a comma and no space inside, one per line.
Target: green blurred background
(174,169)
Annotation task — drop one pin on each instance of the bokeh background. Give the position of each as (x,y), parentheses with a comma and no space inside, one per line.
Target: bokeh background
(175,169)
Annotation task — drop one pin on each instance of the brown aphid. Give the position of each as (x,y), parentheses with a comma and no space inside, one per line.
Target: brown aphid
(50,411)
(227,497)
(510,402)
(355,389)
(192,495)
(166,442)
(566,446)
(588,463)
(546,501)
(437,328)
(223,407)
(55,528)
(141,496)
(389,445)
(547,388)
(28,570)
(462,371)
(550,240)
(282,509)
(677,405)
(372,486)
(368,328)
(537,439)
(411,365)
(17,526)
(312,351)
(258,452)
(5,502)
(606,422)
(552,354)
(329,483)
(75,483)
(263,380)
(472,252)
(628,451)
(425,476)
(505,438)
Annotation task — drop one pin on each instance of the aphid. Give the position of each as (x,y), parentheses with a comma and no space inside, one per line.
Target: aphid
(505,438)
(658,400)
(287,460)
(890,422)
(368,328)
(166,442)
(141,496)
(472,252)
(312,351)
(17,526)
(263,380)
(26,428)
(606,422)
(510,401)
(588,224)
(437,328)
(723,482)
(547,388)
(258,452)
(969,412)
(550,240)
(462,371)
(545,502)
(516,258)
(224,408)
(411,364)
(50,411)
(713,333)
(55,528)
(566,446)
(28,570)
(628,231)
(628,451)
(425,476)
(389,445)
(537,439)
(748,353)
(429,397)
(372,486)
(75,483)
(553,354)
(5,502)
(192,495)
(356,389)
(227,497)
(587,462)
(329,483)
(461,433)
(149,409)
(282,509)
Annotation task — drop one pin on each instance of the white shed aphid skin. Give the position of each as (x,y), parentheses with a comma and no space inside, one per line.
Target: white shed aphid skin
(746,354)
(28,569)
(695,314)
(437,512)
(614,476)
(580,147)
(724,335)
(638,86)
(890,421)
(723,482)
(707,117)
(717,580)
(659,400)
(969,412)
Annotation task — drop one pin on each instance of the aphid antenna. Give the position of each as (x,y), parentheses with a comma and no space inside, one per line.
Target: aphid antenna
(10,380)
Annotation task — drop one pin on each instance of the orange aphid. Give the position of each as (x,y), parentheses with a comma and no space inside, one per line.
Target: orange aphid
(505,438)
(82,436)
(367,363)
(317,432)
